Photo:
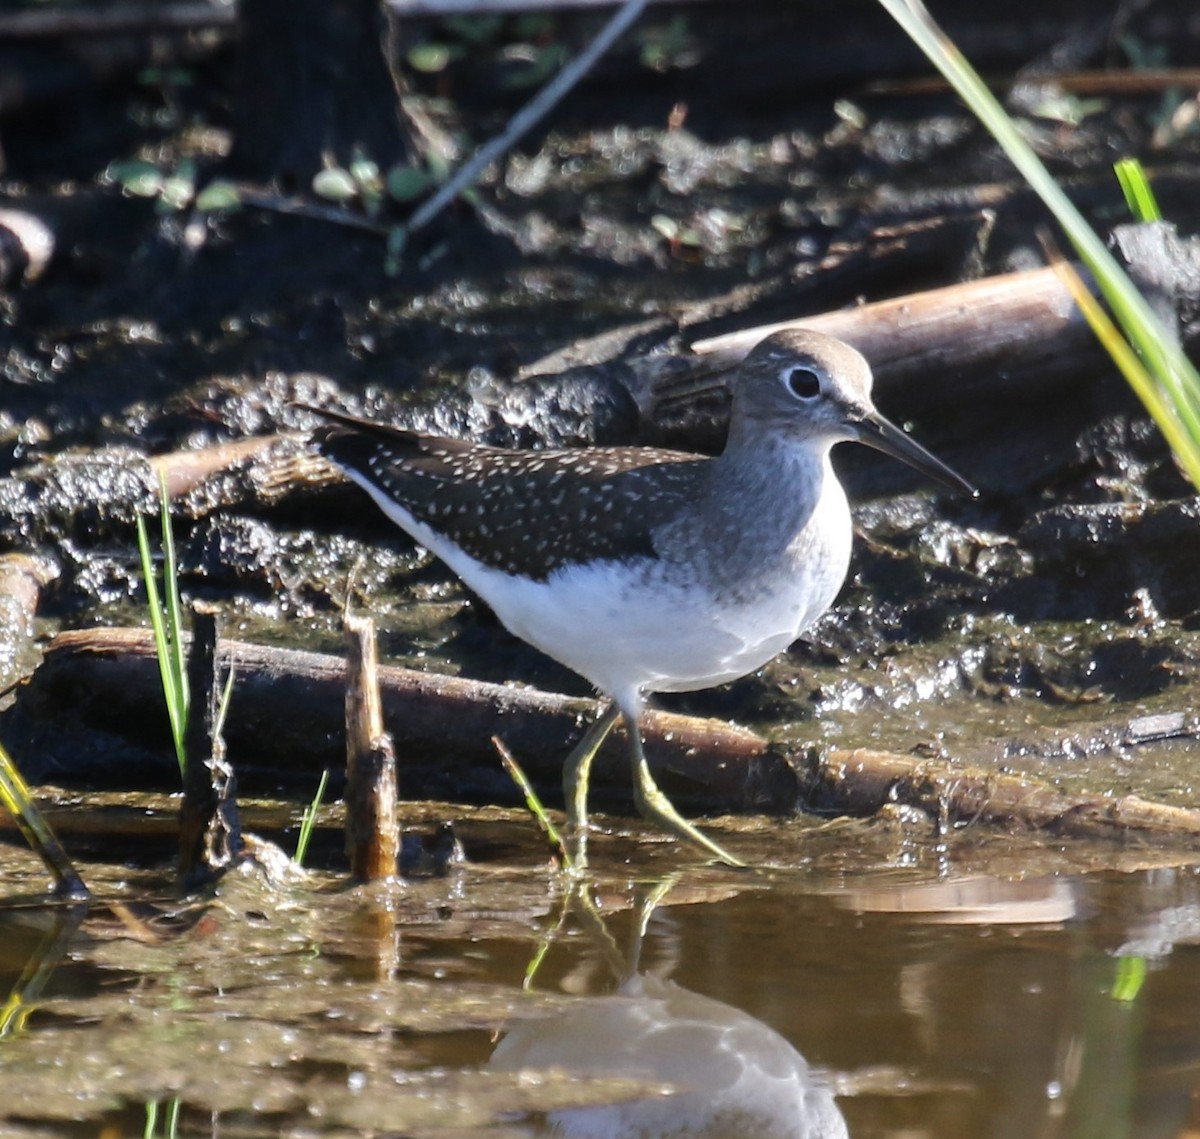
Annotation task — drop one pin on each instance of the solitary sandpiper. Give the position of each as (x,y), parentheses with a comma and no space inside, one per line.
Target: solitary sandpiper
(646,570)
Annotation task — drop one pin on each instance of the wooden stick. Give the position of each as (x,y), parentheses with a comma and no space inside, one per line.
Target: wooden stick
(529,115)
(372,833)
(22,579)
(210,833)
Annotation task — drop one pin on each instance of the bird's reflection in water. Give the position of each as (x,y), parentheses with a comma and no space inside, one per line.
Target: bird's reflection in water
(732,1076)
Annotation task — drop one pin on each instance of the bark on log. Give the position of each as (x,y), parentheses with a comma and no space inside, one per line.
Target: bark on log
(210,832)
(1015,325)
(863,782)
(287,713)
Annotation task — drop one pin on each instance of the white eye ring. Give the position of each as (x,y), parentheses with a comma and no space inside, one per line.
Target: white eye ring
(803,382)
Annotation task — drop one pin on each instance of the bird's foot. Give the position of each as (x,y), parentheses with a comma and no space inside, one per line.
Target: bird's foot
(655,807)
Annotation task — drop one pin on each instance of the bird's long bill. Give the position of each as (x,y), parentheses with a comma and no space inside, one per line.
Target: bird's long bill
(877,432)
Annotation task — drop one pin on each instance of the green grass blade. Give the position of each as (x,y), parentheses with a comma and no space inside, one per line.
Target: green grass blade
(533,803)
(16,798)
(308,821)
(1128,361)
(1139,196)
(167,625)
(162,647)
(223,707)
(1178,414)
(171,589)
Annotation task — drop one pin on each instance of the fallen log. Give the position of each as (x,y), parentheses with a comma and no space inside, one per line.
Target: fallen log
(287,709)
(286,717)
(951,348)
(1019,319)
(863,782)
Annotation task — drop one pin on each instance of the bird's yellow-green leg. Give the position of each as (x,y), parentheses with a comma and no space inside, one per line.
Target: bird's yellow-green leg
(654,806)
(575,784)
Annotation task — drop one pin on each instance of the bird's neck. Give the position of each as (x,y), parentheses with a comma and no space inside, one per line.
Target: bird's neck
(782,479)
(757,509)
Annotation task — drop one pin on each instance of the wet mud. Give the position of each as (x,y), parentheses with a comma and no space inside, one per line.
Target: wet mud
(906,973)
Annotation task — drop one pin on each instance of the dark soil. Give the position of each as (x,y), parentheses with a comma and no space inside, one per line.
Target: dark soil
(725,167)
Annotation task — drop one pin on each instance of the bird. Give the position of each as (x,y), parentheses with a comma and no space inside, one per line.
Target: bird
(731,1075)
(641,569)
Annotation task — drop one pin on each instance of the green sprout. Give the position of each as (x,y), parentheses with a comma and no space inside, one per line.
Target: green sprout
(1139,196)
(308,821)
(166,618)
(1131,975)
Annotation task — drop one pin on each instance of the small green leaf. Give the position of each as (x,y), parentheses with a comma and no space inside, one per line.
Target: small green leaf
(1059,106)
(177,191)
(407,183)
(665,226)
(364,171)
(1131,975)
(663,48)
(432,57)
(137,177)
(545,62)
(335,185)
(850,113)
(473,30)
(218,196)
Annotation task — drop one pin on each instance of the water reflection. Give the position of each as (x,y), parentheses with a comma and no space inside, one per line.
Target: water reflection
(1062,1006)
(38,939)
(977,899)
(728,1074)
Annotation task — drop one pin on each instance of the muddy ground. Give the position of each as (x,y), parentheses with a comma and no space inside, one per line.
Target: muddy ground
(722,168)
(939,971)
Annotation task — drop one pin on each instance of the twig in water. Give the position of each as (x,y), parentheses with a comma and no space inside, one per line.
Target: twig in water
(557,846)
(529,115)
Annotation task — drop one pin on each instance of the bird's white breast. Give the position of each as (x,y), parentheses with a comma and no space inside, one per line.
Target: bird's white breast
(632,626)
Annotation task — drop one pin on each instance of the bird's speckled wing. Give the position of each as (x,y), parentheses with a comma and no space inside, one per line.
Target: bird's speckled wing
(524,512)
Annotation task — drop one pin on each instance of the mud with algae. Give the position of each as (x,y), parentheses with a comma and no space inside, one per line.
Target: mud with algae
(1063,599)
(958,983)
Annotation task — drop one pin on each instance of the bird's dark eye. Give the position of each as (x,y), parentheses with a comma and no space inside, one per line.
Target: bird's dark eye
(803,383)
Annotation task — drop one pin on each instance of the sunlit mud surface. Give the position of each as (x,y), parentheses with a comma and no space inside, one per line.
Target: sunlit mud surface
(883,978)
(873,981)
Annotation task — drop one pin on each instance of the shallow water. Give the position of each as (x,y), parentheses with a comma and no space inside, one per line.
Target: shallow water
(870,980)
